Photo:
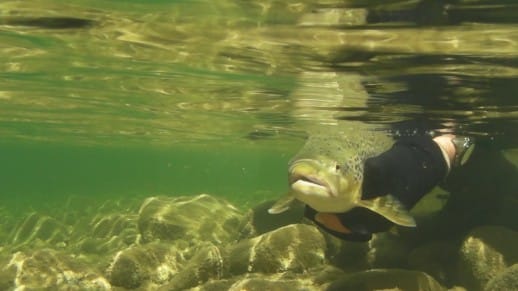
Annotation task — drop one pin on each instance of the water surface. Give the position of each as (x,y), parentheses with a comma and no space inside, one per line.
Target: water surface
(110,99)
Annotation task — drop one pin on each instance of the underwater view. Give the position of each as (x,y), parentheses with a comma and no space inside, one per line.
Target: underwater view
(144,144)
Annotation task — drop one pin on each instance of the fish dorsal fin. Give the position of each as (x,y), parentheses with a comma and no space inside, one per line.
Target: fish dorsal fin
(389,207)
(283,204)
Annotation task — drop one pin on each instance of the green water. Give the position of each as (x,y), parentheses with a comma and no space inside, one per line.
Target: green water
(46,175)
(111,99)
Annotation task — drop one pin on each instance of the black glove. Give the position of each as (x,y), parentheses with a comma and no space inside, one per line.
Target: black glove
(408,170)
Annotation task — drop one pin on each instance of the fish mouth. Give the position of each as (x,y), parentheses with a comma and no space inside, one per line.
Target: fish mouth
(308,179)
(304,178)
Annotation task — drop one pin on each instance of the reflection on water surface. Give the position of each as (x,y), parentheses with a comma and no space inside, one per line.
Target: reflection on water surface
(179,72)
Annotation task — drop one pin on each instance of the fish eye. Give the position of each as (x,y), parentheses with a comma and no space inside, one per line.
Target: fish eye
(338,167)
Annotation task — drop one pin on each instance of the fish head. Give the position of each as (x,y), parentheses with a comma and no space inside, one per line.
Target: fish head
(323,184)
(327,172)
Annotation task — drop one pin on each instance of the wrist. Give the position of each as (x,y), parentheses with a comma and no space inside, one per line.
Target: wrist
(445,143)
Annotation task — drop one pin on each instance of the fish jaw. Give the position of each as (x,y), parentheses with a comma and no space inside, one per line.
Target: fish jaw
(320,186)
(307,175)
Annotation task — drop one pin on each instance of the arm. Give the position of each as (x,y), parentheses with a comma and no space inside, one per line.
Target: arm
(408,170)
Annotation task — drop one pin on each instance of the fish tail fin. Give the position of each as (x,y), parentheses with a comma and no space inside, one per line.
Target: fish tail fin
(391,208)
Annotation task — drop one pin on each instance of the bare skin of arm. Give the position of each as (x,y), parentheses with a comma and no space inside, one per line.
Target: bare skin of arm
(447,147)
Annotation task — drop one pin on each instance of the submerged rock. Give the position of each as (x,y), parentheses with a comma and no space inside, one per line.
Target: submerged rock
(485,253)
(293,249)
(206,264)
(387,250)
(256,282)
(48,269)
(109,233)
(296,248)
(308,281)
(347,255)
(386,279)
(198,218)
(272,284)
(506,280)
(260,221)
(138,265)
(112,225)
(384,250)
(436,259)
(177,243)
(7,274)
(40,229)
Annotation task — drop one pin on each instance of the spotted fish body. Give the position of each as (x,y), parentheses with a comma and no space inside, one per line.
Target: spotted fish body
(327,174)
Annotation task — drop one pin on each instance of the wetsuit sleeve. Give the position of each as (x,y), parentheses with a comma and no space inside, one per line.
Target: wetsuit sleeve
(408,170)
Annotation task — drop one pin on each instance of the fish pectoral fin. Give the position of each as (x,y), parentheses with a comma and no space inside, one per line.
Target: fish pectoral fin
(282,204)
(389,207)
